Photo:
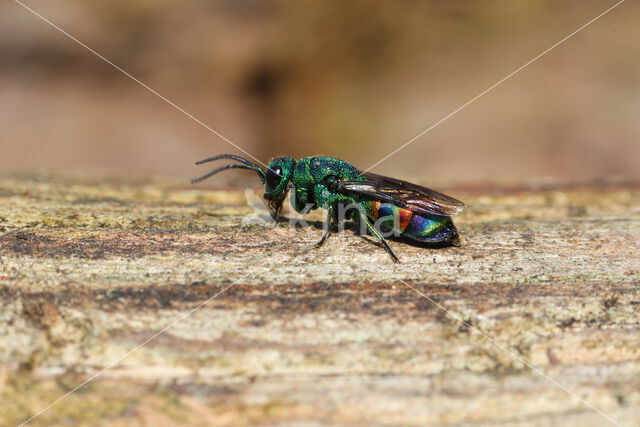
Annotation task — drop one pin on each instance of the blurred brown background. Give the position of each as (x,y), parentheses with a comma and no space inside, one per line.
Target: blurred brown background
(348,79)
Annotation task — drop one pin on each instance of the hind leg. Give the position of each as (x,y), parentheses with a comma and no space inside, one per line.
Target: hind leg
(378,236)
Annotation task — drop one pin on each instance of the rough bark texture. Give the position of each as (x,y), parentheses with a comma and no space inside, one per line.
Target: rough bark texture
(548,276)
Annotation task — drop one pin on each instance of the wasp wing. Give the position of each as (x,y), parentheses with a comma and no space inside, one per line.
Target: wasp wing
(416,198)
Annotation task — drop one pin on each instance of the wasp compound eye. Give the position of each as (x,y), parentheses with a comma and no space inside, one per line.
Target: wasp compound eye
(274,175)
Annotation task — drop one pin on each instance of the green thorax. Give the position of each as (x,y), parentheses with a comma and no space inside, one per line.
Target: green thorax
(311,173)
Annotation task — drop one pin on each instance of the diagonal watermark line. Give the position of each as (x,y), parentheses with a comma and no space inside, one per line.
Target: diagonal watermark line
(493,86)
(512,354)
(533,368)
(151,338)
(150,89)
(129,353)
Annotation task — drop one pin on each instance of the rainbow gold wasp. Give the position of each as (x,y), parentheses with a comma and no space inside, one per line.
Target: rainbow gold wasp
(417,214)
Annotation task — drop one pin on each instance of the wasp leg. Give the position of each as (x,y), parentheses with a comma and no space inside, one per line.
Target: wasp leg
(327,226)
(378,236)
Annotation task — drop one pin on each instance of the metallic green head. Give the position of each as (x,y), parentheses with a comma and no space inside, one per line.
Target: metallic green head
(276,184)
(275,178)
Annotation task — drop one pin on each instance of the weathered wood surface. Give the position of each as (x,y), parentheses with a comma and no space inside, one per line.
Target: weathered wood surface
(89,270)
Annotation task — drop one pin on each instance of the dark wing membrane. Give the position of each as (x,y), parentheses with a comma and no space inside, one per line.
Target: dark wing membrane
(420,200)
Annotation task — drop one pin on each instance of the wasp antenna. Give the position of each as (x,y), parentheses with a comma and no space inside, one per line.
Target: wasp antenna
(225,167)
(228,156)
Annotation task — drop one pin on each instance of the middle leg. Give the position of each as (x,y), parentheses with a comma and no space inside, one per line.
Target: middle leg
(328,222)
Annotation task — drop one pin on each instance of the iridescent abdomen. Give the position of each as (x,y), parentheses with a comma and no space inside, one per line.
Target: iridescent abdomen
(431,229)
